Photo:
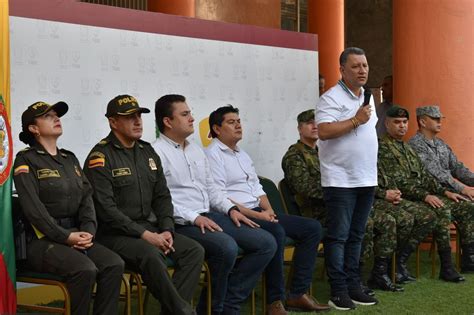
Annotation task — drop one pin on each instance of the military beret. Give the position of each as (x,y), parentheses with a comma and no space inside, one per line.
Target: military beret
(431,110)
(305,116)
(396,111)
(124,105)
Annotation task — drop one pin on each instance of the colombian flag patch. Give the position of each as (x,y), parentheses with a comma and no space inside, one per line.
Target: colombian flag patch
(98,162)
(21,169)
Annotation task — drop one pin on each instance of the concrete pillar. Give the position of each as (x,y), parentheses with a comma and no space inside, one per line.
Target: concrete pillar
(433,63)
(176,7)
(326,18)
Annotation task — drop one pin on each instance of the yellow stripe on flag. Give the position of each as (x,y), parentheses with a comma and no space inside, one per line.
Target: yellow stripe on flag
(5,55)
(21,169)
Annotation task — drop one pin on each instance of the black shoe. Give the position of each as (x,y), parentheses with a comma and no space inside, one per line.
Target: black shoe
(341,302)
(359,297)
(404,279)
(403,275)
(447,271)
(379,278)
(366,289)
(467,262)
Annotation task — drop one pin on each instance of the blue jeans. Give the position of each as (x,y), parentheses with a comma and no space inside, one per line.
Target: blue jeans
(348,211)
(307,234)
(231,282)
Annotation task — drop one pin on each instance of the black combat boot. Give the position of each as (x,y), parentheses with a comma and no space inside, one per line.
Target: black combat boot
(364,287)
(402,274)
(447,271)
(467,258)
(379,278)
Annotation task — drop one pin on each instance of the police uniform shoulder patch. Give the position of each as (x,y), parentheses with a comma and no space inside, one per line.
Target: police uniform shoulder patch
(47,173)
(96,159)
(21,169)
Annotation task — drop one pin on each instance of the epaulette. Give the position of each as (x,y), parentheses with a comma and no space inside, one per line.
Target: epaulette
(143,142)
(23,151)
(67,152)
(103,142)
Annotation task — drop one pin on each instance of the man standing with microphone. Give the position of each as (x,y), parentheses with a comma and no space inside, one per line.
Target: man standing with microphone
(348,160)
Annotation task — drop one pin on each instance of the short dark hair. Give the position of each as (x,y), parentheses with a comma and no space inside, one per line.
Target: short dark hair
(164,108)
(217,117)
(350,51)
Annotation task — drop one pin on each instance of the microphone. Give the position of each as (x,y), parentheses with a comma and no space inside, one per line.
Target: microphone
(367,95)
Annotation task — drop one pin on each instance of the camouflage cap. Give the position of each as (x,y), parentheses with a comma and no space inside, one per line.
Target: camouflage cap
(431,111)
(396,111)
(305,116)
(124,105)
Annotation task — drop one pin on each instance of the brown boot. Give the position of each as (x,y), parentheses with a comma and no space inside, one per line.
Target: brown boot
(306,303)
(276,308)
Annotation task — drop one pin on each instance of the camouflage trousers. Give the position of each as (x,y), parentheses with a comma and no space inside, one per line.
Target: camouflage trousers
(462,214)
(396,226)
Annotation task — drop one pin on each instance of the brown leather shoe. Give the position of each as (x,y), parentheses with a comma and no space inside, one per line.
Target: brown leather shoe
(307,303)
(276,308)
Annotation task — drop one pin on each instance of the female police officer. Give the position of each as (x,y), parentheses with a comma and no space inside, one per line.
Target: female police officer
(55,197)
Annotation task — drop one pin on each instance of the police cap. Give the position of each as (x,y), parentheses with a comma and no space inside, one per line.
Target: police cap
(124,105)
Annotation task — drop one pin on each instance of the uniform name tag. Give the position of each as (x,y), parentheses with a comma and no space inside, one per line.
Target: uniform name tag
(121,172)
(47,173)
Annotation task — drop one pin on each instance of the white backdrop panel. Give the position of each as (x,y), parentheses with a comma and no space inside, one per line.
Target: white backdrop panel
(87,66)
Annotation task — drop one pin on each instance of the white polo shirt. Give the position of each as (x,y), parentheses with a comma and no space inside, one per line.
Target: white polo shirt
(189,180)
(351,160)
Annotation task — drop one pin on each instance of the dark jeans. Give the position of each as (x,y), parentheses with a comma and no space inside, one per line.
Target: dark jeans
(307,234)
(231,285)
(348,211)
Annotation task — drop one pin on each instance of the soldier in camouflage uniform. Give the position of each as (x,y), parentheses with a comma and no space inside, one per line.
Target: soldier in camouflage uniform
(404,171)
(442,163)
(301,167)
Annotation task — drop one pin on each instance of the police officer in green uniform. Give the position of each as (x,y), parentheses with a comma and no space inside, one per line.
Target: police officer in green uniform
(404,172)
(56,198)
(135,211)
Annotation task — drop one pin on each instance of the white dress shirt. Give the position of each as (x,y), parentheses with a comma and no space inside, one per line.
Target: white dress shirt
(234,174)
(189,180)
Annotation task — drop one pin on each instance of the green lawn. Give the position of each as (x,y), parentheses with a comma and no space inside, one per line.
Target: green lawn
(425,296)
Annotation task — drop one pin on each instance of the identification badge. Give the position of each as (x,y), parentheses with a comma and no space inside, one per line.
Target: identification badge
(152,164)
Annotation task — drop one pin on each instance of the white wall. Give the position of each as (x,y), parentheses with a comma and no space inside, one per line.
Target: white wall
(87,66)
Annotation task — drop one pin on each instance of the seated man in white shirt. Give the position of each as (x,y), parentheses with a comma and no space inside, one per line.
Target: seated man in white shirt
(236,177)
(204,214)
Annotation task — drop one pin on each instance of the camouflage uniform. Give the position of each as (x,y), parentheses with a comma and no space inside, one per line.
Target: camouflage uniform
(441,162)
(301,167)
(403,169)
(380,235)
